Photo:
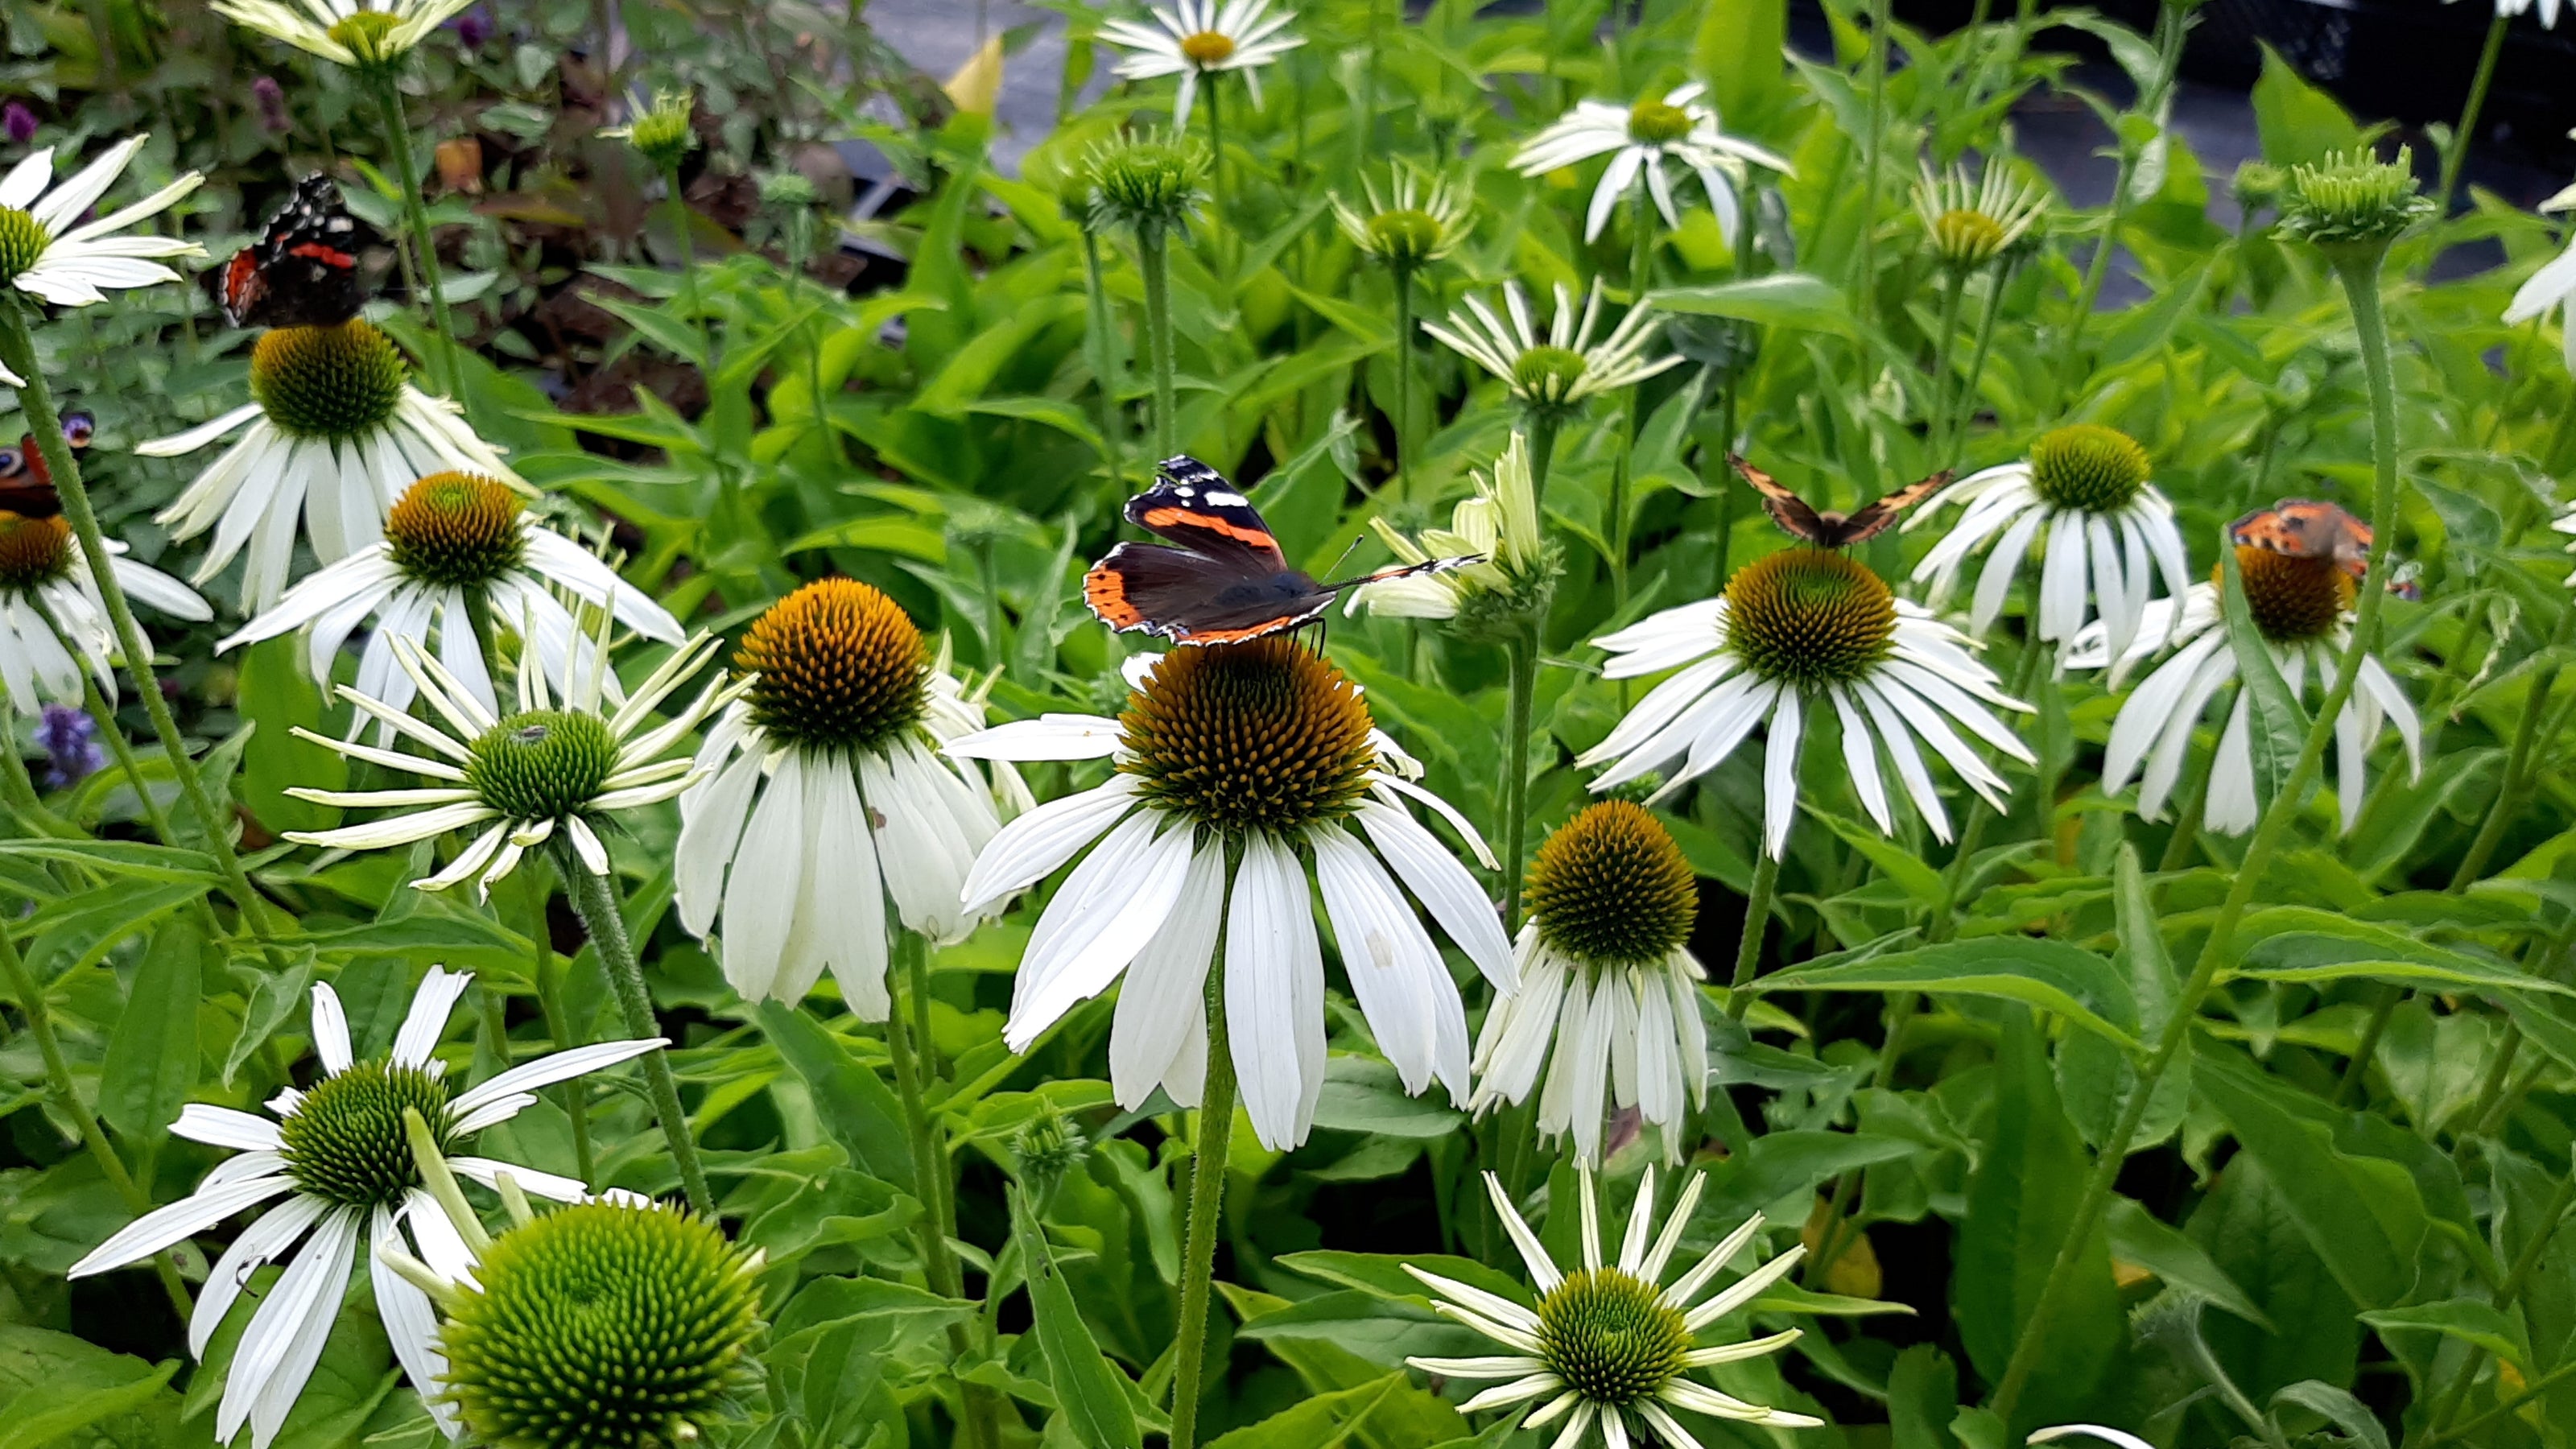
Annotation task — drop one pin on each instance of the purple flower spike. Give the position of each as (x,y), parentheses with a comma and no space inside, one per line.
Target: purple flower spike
(269,98)
(19,122)
(72,752)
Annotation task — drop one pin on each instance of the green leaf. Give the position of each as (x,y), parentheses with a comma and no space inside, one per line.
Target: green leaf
(1898,864)
(1781,299)
(1087,1389)
(2048,974)
(1383,1273)
(1364,1094)
(2142,942)
(2020,1207)
(81,1410)
(2278,726)
(2297,122)
(135,858)
(2302,943)
(857,1109)
(2138,1236)
(1792,1163)
(2470,1320)
(275,691)
(274,995)
(2362,1215)
(1326,1421)
(2340,1408)
(152,1056)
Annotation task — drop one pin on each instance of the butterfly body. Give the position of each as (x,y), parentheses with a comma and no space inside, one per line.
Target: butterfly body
(1221,578)
(303,271)
(1822,526)
(26,484)
(2313,528)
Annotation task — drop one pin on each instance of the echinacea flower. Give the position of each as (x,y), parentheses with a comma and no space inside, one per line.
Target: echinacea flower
(2551,289)
(49,253)
(2083,502)
(1643,139)
(1608,984)
(1202,38)
(361,33)
(455,545)
(1417,219)
(337,433)
(1967,224)
(518,779)
(339,1156)
(1608,1347)
(820,797)
(1148,182)
(615,1323)
(1555,372)
(1235,766)
(1795,630)
(663,135)
(2117,1438)
(2303,609)
(52,620)
(1498,527)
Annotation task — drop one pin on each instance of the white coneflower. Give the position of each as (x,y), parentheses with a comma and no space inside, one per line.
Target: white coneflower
(1417,219)
(2303,609)
(338,1155)
(1557,371)
(50,608)
(456,544)
(1237,764)
(617,1323)
(336,434)
(832,801)
(517,779)
(49,253)
(2553,287)
(1608,984)
(1607,1347)
(1795,629)
(1969,223)
(2083,502)
(1498,527)
(346,32)
(1198,38)
(1643,138)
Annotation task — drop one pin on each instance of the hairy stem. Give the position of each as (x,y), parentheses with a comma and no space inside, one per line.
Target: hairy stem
(1521,656)
(1154,260)
(594,899)
(1207,1201)
(387,85)
(1757,919)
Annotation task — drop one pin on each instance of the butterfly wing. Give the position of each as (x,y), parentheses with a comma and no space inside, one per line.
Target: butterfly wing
(1189,597)
(1787,509)
(1194,506)
(303,271)
(1873,519)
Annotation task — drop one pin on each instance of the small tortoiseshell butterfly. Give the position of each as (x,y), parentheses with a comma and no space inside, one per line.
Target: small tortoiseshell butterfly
(1823,527)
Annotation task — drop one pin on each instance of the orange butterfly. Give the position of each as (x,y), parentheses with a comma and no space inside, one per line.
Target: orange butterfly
(1823,527)
(2313,528)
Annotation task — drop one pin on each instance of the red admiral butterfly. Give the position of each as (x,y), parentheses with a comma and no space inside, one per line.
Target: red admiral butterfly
(303,270)
(1823,527)
(2311,528)
(26,485)
(1226,582)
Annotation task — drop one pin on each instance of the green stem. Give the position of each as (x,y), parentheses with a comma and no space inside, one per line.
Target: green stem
(2516,1280)
(1542,424)
(387,84)
(1936,415)
(2531,1391)
(2456,155)
(2358,270)
(18,351)
(1216,143)
(1965,409)
(58,1076)
(1105,361)
(1757,919)
(1521,657)
(676,205)
(1403,380)
(2169,37)
(1866,283)
(104,714)
(906,1044)
(1153,260)
(1207,1201)
(546,972)
(595,901)
(2514,784)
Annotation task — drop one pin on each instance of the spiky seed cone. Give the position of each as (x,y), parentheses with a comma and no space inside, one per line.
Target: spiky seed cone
(1652,123)
(1610,888)
(22,240)
(337,382)
(345,1140)
(33,551)
(1264,735)
(542,764)
(2293,599)
(1809,617)
(1610,1336)
(2089,467)
(456,529)
(601,1326)
(839,666)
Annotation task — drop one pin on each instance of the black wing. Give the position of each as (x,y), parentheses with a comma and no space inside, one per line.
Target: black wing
(1194,506)
(1190,598)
